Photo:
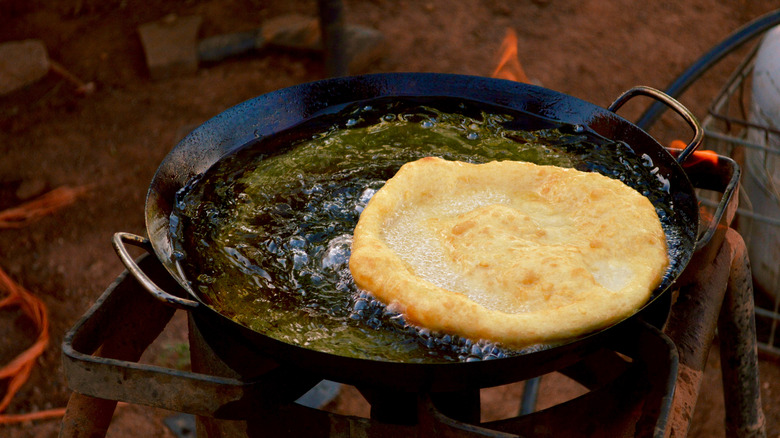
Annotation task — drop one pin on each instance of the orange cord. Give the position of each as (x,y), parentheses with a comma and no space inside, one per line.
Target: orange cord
(19,369)
(47,203)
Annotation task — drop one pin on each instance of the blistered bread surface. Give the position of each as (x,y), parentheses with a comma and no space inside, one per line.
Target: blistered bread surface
(510,252)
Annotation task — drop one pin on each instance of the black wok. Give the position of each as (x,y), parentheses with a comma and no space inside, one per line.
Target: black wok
(283,109)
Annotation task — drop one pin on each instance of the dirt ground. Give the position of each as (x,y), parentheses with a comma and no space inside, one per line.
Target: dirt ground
(113,139)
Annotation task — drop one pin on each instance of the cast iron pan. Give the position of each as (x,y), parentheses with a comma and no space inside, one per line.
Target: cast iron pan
(283,109)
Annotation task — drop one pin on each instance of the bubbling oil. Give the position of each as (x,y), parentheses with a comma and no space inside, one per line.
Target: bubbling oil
(264,236)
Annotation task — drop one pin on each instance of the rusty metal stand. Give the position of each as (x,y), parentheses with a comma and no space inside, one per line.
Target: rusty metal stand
(99,356)
(89,416)
(719,297)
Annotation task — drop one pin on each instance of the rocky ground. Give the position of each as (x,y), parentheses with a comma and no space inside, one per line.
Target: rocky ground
(113,139)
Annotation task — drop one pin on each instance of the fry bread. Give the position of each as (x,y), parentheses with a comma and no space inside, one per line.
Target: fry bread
(510,252)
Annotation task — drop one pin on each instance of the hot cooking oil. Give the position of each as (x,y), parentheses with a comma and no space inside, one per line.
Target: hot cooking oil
(265,234)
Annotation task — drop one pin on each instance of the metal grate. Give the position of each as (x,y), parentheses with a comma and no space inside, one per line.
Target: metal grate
(730,131)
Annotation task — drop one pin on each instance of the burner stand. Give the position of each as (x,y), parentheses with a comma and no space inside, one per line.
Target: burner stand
(101,351)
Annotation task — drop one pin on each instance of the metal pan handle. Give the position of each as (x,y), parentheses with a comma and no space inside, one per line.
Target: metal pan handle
(698,132)
(119,240)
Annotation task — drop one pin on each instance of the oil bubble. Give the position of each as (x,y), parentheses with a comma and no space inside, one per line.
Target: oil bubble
(300,259)
(360,305)
(336,256)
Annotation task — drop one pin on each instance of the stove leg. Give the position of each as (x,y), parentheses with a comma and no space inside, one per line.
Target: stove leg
(739,354)
(462,406)
(402,407)
(692,326)
(391,407)
(87,417)
(120,334)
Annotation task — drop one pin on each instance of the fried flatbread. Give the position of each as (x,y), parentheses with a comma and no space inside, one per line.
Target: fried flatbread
(510,252)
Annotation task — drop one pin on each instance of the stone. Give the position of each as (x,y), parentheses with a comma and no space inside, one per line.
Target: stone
(170,46)
(362,45)
(22,63)
(30,188)
(293,32)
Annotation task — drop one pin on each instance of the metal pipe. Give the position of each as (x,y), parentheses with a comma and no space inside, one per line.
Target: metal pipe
(530,395)
(728,45)
(333,36)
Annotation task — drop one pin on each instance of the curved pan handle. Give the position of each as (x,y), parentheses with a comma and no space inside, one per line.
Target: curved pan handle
(698,132)
(119,240)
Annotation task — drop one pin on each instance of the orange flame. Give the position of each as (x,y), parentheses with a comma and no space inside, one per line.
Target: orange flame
(509,66)
(698,156)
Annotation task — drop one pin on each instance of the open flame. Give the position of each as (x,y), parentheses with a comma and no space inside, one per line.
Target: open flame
(509,66)
(697,156)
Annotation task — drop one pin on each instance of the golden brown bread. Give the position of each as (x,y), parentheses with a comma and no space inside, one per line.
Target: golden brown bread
(511,252)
